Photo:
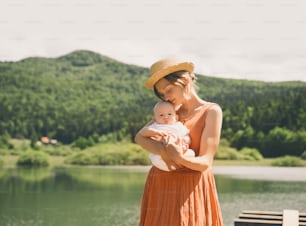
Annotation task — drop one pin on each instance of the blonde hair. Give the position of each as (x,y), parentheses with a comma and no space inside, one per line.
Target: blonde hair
(176,78)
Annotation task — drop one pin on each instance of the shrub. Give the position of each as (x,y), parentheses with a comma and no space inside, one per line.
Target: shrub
(227,153)
(251,154)
(139,158)
(110,154)
(1,161)
(81,158)
(20,146)
(282,141)
(3,151)
(288,161)
(57,150)
(33,158)
(111,158)
(4,141)
(83,142)
(303,156)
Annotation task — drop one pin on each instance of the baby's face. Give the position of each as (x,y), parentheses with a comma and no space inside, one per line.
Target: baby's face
(165,114)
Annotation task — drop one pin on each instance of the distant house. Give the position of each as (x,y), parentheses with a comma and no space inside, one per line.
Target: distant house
(52,141)
(47,140)
(44,140)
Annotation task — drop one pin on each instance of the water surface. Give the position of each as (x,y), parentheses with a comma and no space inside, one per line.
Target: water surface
(84,196)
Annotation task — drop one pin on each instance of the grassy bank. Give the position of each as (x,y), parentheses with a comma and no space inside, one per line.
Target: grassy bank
(10,161)
(123,154)
(59,161)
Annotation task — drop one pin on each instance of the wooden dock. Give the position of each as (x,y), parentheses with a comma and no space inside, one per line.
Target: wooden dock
(269,218)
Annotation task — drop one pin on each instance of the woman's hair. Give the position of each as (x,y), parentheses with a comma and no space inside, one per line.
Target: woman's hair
(175,78)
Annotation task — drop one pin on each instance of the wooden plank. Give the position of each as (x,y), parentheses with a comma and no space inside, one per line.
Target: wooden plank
(270,218)
(260,216)
(302,219)
(290,218)
(257,212)
(254,222)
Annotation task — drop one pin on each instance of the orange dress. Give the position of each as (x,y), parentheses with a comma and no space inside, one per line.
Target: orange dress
(182,197)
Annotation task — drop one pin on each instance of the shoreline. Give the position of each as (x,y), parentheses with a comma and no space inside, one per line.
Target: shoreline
(262,172)
(242,172)
(253,172)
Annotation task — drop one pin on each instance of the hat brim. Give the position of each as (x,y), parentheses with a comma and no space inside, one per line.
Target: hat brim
(154,78)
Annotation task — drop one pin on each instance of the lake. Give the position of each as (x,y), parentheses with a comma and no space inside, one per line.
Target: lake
(110,196)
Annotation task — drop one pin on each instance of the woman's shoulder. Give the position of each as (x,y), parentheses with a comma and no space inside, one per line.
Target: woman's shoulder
(214,110)
(212,107)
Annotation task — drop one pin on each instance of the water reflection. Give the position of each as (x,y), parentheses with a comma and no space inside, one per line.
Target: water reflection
(69,196)
(232,185)
(108,196)
(236,195)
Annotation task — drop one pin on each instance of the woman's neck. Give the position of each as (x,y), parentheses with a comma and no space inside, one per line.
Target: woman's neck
(190,106)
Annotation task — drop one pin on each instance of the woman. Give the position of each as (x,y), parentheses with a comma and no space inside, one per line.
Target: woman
(187,195)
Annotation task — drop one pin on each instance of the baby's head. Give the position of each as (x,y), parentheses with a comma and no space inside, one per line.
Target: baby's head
(164,113)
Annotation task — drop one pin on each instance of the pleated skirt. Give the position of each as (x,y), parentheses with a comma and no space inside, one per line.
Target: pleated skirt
(180,198)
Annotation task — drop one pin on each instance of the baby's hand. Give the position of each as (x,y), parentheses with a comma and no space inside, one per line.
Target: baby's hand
(163,133)
(179,141)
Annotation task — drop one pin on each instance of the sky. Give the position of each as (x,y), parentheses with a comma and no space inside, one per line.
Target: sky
(261,40)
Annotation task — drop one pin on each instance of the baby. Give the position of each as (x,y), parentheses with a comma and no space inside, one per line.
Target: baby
(166,124)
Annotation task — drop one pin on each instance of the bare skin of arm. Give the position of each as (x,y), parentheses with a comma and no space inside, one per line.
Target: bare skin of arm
(151,132)
(153,146)
(209,143)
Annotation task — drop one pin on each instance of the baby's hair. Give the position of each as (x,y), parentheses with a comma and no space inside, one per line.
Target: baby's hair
(160,103)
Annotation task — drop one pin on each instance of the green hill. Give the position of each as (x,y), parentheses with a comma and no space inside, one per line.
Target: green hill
(84,94)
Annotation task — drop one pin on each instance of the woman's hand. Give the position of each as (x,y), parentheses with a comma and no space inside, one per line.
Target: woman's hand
(175,153)
(173,150)
(170,163)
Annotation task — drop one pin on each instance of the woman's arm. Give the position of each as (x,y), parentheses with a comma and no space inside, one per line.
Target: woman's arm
(152,132)
(151,145)
(155,147)
(210,138)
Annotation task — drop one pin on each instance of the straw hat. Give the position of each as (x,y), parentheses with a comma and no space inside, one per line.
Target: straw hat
(165,67)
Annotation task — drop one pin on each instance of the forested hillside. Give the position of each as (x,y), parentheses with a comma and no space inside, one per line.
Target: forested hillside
(84,94)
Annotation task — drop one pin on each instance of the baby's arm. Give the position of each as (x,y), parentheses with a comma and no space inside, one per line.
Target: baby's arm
(185,141)
(151,132)
(180,141)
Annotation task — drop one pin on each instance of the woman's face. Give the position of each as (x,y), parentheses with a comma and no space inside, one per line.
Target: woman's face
(170,92)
